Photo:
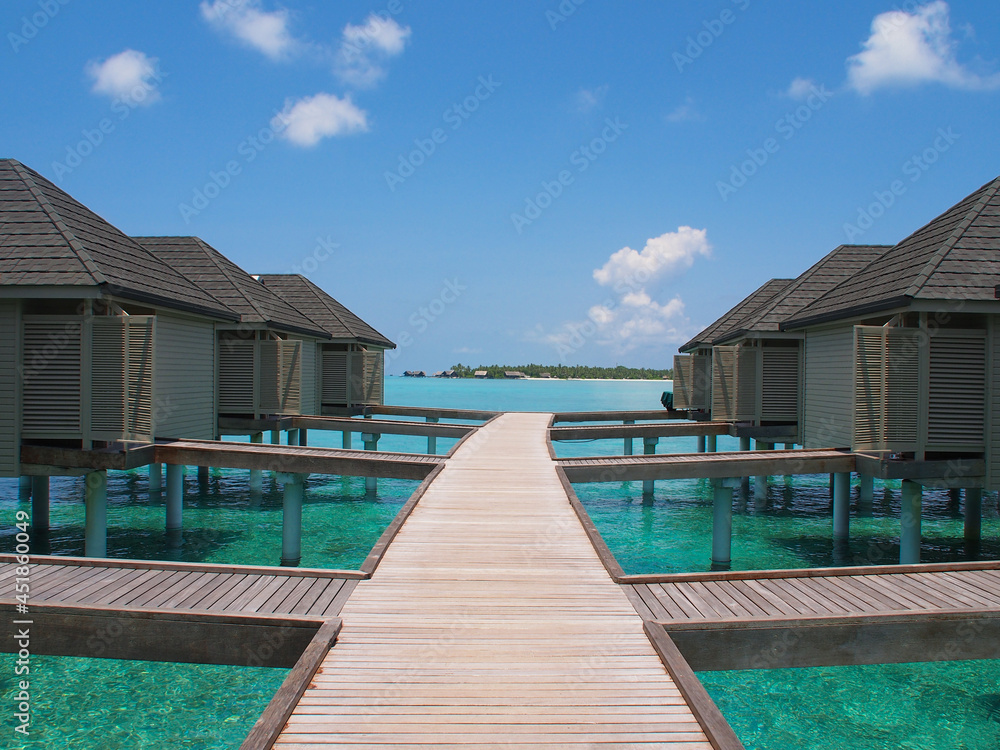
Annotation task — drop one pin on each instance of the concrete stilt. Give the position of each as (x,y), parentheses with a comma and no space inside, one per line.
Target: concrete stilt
(96,523)
(155,477)
(760,483)
(203,475)
(745,481)
(275,437)
(789,477)
(347,439)
(293,437)
(909,522)
(256,475)
(39,504)
(701,443)
(629,444)
(649,449)
(24,488)
(722,526)
(841,505)
(973,520)
(303,437)
(866,494)
(175,497)
(954,497)
(291,519)
(370,439)
(711,443)
(432,441)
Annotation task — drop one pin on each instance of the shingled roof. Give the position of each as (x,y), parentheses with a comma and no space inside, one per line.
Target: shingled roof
(833,269)
(728,322)
(230,284)
(954,257)
(49,239)
(336,319)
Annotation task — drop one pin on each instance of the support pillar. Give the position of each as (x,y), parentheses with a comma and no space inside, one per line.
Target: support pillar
(39,503)
(291,519)
(745,481)
(96,523)
(175,497)
(24,488)
(347,439)
(293,437)
(711,443)
(722,526)
(370,439)
(203,475)
(841,505)
(432,441)
(973,520)
(275,437)
(629,443)
(303,437)
(256,475)
(648,449)
(155,477)
(701,443)
(866,494)
(789,478)
(760,483)
(909,522)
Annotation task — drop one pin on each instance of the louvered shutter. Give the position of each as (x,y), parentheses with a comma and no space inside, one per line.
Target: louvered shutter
(780,384)
(683,370)
(140,348)
(51,390)
(724,366)
(886,388)
(956,416)
(107,379)
(335,378)
(290,381)
(373,381)
(747,383)
(236,376)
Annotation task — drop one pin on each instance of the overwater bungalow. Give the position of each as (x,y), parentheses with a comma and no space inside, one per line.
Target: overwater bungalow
(352,361)
(102,339)
(902,357)
(267,360)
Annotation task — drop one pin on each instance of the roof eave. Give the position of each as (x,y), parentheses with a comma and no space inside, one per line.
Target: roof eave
(847,312)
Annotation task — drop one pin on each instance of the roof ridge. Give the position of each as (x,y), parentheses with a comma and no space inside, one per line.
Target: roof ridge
(320,298)
(949,244)
(211,253)
(81,252)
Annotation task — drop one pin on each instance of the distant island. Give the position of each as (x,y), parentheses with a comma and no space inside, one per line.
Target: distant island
(556,372)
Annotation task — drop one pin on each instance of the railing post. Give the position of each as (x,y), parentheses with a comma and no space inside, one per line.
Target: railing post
(432,442)
(370,439)
(648,449)
(629,443)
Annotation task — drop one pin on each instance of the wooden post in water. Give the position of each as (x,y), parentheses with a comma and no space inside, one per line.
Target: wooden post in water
(841,505)
(745,481)
(275,437)
(973,520)
(96,522)
(175,497)
(866,494)
(760,483)
(303,437)
(701,443)
(256,475)
(648,449)
(40,503)
(24,488)
(432,441)
(291,519)
(909,523)
(711,443)
(293,437)
(155,477)
(722,525)
(629,443)
(347,440)
(370,439)
(203,476)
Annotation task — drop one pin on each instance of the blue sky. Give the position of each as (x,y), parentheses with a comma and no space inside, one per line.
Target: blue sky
(580,181)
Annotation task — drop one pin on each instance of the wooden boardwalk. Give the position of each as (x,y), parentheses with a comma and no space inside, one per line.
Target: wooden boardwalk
(811,593)
(491,622)
(183,586)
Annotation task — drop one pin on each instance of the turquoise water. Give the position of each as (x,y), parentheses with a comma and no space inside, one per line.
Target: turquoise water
(105,704)
(933,706)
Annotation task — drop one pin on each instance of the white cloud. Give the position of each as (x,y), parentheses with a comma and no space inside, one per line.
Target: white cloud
(364,50)
(265,31)
(686,112)
(674,251)
(588,99)
(129,75)
(907,49)
(309,120)
(800,89)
